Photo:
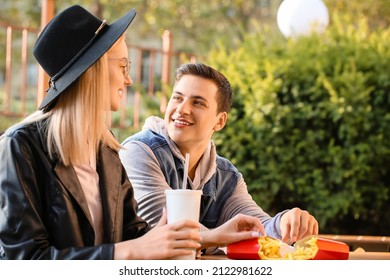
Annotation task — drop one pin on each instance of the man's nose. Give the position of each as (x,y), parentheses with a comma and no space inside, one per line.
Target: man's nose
(184,107)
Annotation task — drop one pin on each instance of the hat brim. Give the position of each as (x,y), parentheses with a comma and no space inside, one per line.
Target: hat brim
(103,42)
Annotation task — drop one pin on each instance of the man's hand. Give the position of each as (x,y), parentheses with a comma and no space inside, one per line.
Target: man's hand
(296,224)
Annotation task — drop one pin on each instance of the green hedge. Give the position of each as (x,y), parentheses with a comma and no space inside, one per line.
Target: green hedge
(310,125)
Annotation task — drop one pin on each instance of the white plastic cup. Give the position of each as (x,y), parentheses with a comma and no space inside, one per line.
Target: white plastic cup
(183,205)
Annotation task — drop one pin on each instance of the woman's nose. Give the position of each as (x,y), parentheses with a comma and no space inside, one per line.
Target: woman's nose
(128,81)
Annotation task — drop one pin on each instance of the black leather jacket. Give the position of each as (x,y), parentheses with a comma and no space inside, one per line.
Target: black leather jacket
(43,211)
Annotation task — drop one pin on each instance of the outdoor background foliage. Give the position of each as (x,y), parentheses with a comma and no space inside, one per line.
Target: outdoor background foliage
(311,124)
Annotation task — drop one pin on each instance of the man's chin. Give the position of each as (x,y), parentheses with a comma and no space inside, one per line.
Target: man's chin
(176,136)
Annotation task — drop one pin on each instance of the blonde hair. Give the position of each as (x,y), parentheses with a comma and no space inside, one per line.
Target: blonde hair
(81,118)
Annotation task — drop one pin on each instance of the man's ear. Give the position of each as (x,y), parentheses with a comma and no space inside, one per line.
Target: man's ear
(222,117)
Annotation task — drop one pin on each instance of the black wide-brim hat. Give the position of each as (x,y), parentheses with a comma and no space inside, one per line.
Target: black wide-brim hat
(72,42)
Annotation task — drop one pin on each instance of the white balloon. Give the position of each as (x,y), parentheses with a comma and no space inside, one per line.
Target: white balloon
(301,17)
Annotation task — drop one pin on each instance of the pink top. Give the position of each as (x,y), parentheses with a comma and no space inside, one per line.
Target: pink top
(89,181)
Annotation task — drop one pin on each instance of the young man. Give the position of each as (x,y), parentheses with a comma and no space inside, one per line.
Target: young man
(198,107)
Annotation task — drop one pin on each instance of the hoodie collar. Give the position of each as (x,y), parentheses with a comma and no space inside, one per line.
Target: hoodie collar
(207,164)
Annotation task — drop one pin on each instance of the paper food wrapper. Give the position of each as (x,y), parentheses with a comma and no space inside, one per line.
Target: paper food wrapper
(308,248)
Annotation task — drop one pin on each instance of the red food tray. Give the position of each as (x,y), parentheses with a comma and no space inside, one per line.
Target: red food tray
(327,249)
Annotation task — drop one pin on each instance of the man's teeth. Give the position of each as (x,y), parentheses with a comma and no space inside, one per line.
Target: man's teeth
(182,122)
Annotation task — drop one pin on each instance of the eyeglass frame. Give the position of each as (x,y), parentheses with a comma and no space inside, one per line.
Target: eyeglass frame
(126,67)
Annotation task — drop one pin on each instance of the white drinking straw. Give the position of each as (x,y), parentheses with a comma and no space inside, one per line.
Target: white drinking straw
(186,163)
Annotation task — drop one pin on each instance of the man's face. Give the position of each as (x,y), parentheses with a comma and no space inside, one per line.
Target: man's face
(191,116)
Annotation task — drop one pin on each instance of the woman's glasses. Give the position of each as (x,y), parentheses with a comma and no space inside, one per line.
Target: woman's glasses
(125,65)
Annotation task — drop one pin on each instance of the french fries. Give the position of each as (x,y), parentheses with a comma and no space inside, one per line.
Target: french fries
(270,249)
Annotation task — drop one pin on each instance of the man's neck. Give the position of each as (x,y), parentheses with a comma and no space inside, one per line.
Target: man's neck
(195,156)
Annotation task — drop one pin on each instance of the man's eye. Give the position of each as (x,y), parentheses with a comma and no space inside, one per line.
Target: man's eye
(199,103)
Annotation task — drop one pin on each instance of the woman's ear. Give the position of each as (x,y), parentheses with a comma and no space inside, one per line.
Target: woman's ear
(222,117)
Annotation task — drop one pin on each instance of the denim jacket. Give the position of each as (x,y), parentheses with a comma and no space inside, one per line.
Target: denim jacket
(215,192)
(160,166)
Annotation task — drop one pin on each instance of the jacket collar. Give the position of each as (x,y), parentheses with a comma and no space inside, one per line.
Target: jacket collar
(207,165)
(109,170)
(68,178)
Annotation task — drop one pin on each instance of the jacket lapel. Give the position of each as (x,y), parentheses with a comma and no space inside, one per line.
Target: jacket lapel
(65,174)
(110,170)
(69,180)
